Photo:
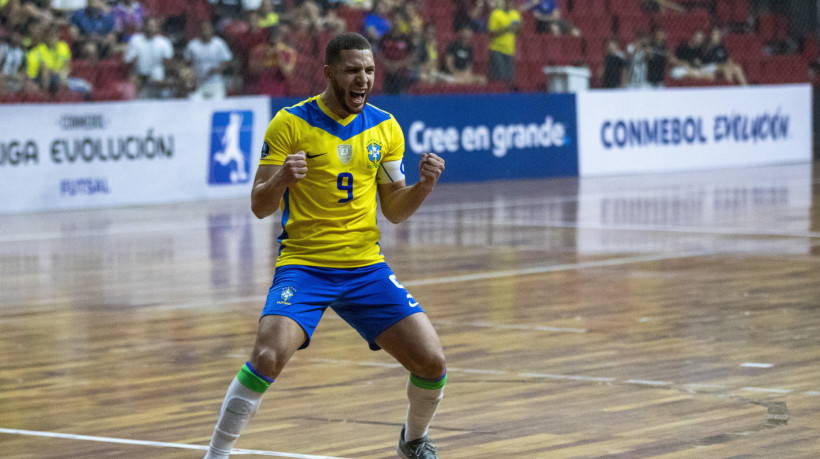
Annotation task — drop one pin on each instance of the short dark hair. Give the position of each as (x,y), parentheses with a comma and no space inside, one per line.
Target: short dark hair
(342,42)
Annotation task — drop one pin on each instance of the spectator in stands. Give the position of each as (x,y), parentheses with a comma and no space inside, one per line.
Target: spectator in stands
(267,15)
(503,25)
(425,50)
(49,65)
(224,12)
(210,57)
(458,60)
(406,18)
(548,18)
(13,64)
(396,56)
(656,62)
(151,54)
(687,61)
(637,70)
(377,23)
(246,41)
(471,13)
(94,24)
(270,65)
(129,16)
(716,60)
(614,65)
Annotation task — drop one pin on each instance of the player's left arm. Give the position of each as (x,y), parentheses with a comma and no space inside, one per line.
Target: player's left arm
(399,201)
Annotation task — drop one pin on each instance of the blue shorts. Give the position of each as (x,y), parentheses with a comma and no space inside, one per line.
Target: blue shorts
(369,298)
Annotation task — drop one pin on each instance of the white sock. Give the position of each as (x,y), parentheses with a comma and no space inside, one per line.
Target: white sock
(239,406)
(423,404)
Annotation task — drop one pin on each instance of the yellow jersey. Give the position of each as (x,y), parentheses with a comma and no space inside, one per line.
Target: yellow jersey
(329,217)
(500,19)
(54,59)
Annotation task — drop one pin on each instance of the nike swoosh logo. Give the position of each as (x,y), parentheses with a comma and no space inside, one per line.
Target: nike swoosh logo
(309,156)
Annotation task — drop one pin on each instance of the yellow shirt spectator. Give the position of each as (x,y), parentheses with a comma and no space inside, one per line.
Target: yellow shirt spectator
(269,20)
(500,20)
(55,59)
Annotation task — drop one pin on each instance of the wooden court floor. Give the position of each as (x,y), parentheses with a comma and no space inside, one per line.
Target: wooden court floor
(657,316)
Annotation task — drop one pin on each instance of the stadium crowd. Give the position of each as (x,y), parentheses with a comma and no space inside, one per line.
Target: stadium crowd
(72,50)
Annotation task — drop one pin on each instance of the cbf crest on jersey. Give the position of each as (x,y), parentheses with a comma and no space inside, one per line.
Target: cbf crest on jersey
(374,150)
(344,152)
(287,294)
(231,139)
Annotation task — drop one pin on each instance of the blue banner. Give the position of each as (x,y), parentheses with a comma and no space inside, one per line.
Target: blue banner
(485,136)
(488,136)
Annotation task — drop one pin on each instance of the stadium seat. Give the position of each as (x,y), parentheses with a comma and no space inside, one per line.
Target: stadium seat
(595,49)
(743,45)
(589,7)
(625,7)
(810,49)
(783,69)
(36,96)
(593,26)
(629,24)
(67,97)
(111,71)
(772,27)
(88,71)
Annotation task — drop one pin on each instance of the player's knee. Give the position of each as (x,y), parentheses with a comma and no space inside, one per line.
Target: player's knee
(433,365)
(268,361)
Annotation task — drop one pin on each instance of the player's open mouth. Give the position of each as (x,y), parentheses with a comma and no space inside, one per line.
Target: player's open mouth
(357,97)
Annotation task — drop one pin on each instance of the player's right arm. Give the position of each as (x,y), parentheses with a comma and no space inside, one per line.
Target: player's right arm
(272,180)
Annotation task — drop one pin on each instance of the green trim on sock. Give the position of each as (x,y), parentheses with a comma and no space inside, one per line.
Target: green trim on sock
(248,379)
(426,383)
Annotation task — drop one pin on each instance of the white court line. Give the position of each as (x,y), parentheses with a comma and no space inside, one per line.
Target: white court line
(552,268)
(159,444)
(756,365)
(646,382)
(480,324)
(767,390)
(593,379)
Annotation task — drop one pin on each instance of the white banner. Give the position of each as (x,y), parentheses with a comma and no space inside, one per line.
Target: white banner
(139,152)
(623,132)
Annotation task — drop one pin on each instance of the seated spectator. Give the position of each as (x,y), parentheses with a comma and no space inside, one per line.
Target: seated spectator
(458,59)
(246,41)
(93,23)
(471,13)
(13,64)
(49,65)
(687,61)
(151,54)
(377,23)
(129,16)
(406,18)
(267,15)
(425,50)
(270,65)
(548,18)
(210,57)
(716,60)
(66,7)
(637,70)
(396,56)
(614,65)
(656,62)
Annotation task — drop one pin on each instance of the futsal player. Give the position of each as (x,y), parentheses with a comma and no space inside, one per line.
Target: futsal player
(323,162)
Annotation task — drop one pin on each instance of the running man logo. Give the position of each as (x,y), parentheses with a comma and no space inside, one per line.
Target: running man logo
(231,138)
